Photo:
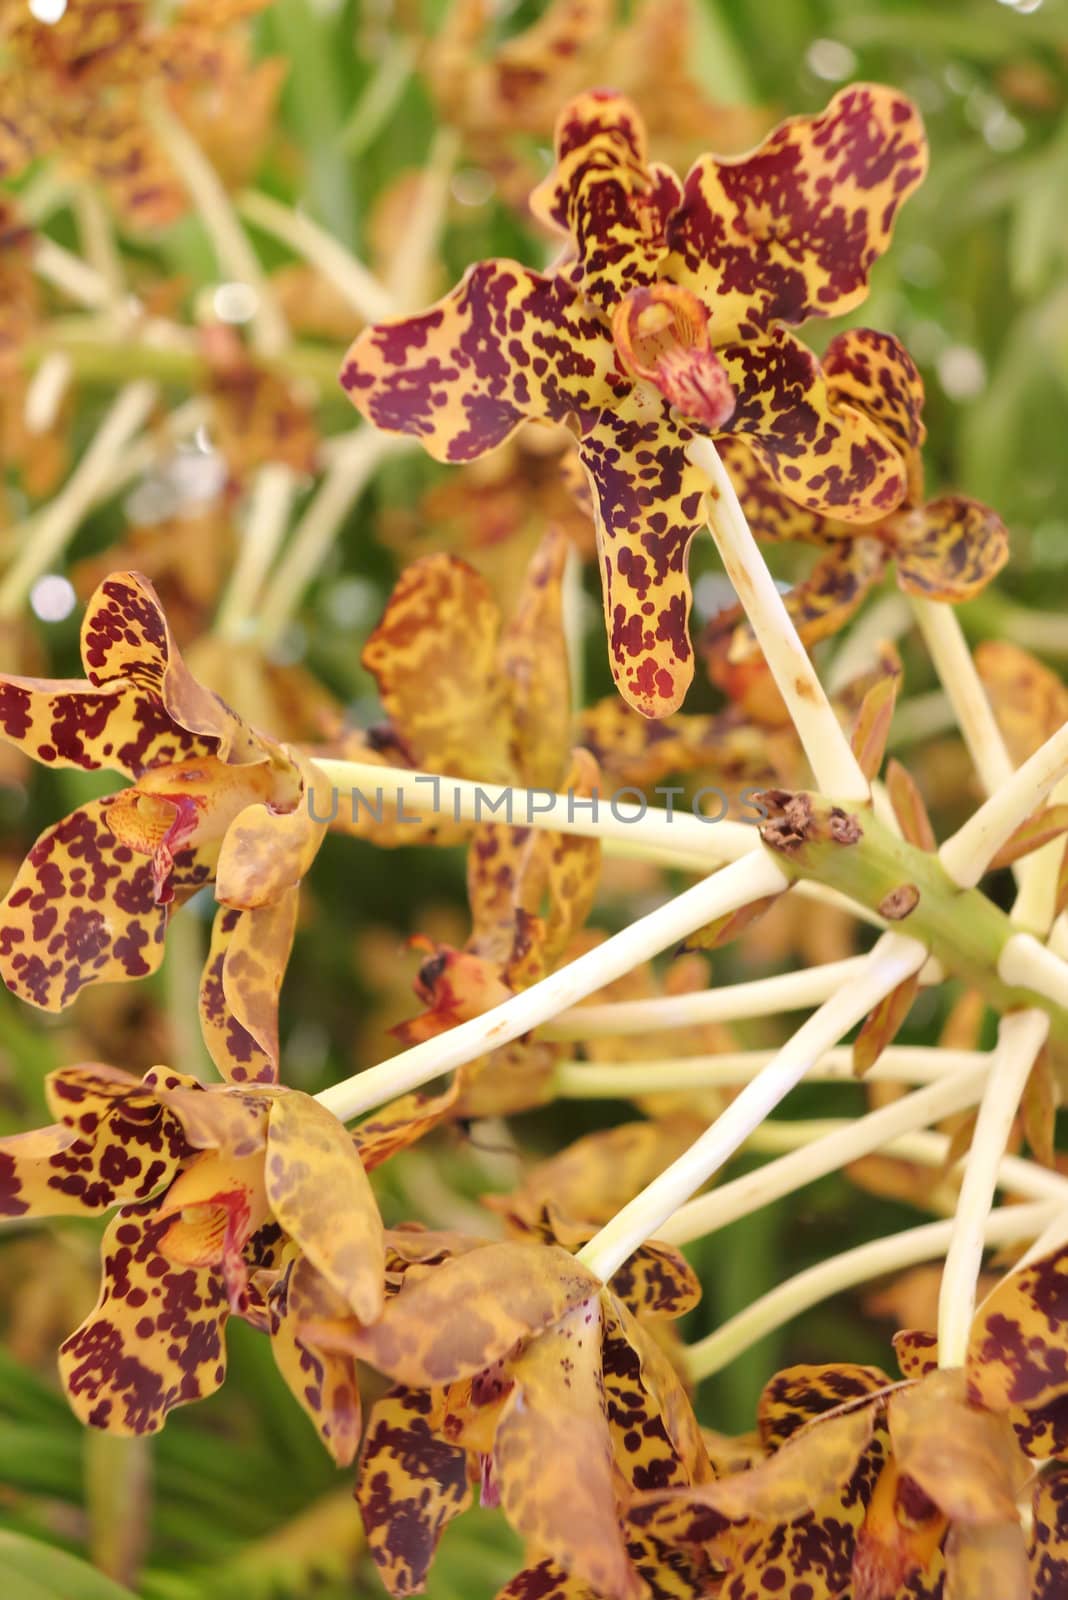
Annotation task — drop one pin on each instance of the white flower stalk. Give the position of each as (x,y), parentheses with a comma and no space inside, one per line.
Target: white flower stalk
(835,1149)
(97,238)
(956,670)
(826,746)
(893,959)
(57,523)
(1035,907)
(270,503)
(233,252)
(853,1267)
(626,1080)
(350,470)
(423,794)
(71,275)
(735,1002)
(1026,963)
(1021,1036)
(367,297)
(409,282)
(46,391)
(725,891)
(968,852)
(886,620)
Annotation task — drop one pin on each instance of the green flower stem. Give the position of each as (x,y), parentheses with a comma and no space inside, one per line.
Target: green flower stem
(725,891)
(1020,1038)
(320,249)
(893,959)
(372,110)
(628,1080)
(875,1260)
(415,259)
(827,1153)
(99,355)
(826,746)
(815,839)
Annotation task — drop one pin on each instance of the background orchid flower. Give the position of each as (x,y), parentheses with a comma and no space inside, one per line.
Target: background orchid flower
(667,315)
(223,1193)
(945,549)
(549,1369)
(211,800)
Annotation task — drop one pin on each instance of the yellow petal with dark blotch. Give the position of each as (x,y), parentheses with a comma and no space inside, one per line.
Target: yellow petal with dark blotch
(435,659)
(811,1467)
(1049,1536)
(321,1195)
(81,909)
(460,1317)
(656,1440)
(155,1337)
(1029,700)
(593,1178)
(987,1560)
(836,588)
(268,848)
(798,1394)
(218,1117)
(402,1123)
(949,549)
(253,969)
(606,198)
(553,1454)
(1017,1355)
(916,1352)
(649,504)
(826,455)
(657,1281)
(875,373)
(322,1381)
(533,662)
(965,1460)
(573,868)
(412,1484)
(125,638)
(68,723)
(545,1579)
(632,750)
(771,515)
(515,1077)
(114,1142)
(506,346)
(239,1057)
(792,230)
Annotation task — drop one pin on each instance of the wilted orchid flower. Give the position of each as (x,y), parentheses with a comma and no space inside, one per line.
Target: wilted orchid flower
(666,317)
(210,799)
(946,549)
(520,1371)
(231,1201)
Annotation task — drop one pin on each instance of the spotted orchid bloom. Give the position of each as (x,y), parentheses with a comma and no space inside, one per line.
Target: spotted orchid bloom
(232,1201)
(667,317)
(210,800)
(519,1372)
(945,549)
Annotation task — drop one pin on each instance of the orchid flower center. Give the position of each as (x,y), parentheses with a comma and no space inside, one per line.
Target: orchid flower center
(188,806)
(661,336)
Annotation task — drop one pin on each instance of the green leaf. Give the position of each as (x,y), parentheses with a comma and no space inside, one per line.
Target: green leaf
(34,1571)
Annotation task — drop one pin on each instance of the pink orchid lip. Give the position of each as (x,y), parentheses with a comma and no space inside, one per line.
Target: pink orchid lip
(661,336)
